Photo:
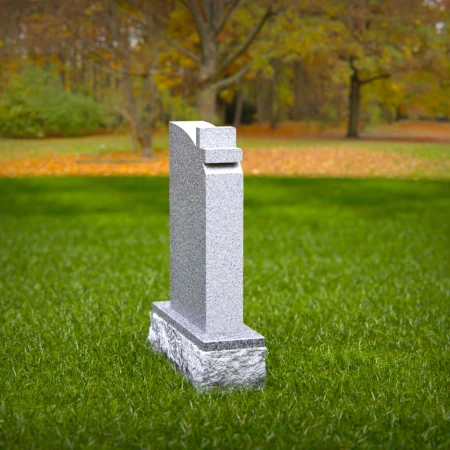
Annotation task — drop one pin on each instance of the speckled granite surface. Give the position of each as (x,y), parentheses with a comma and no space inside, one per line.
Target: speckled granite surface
(244,338)
(206,226)
(229,369)
(205,313)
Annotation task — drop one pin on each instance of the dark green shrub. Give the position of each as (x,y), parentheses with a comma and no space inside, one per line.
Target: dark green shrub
(34,104)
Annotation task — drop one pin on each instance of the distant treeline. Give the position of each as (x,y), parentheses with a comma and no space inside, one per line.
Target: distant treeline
(73,67)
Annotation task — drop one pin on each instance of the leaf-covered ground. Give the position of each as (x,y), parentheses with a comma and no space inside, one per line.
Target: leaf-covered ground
(349,280)
(316,160)
(409,150)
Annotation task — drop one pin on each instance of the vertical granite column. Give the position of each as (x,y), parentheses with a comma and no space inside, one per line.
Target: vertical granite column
(201,328)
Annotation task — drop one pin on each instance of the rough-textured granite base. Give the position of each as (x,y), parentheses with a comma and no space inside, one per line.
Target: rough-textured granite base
(229,368)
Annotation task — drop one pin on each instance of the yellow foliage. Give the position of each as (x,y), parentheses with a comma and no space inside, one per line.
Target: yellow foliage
(227,95)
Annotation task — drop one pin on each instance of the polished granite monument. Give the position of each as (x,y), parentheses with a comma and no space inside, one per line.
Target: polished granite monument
(201,328)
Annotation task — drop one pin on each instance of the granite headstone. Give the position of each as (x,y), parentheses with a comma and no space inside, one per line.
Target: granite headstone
(201,328)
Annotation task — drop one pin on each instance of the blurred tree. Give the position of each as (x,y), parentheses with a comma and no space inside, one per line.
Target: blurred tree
(215,37)
(151,60)
(125,36)
(377,39)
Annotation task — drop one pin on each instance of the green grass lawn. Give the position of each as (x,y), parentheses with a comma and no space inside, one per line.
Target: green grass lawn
(433,151)
(90,145)
(348,280)
(94,145)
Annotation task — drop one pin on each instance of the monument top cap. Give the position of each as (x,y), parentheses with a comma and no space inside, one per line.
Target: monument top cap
(190,128)
(217,144)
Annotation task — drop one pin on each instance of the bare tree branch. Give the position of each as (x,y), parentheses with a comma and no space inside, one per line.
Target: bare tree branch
(159,24)
(376,77)
(246,44)
(225,82)
(187,3)
(177,46)
(216,12)
(227,16)
(113,71)
(197,15)
(207,11)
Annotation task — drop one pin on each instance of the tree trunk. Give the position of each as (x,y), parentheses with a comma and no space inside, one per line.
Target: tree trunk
(261,102)
(146,142)
(238,108)
(207,98)
(299,100)
(140,134)
(147,145)
(271,102)
(207,104)
(354,106)
(94,81)
(400,113)
(72,73)
(62,77)
(62,70)
(82,69)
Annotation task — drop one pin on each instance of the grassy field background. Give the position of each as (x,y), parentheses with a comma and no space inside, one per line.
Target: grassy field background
(247,138)
(349,280)
(405,150)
